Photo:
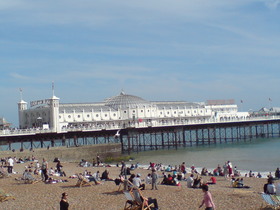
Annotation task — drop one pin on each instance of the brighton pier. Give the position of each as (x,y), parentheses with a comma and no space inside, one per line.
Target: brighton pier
(135,123)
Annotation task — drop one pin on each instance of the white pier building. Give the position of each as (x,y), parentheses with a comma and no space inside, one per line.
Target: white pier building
(122,111)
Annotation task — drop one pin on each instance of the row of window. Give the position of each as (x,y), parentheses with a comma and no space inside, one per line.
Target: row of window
(79,116)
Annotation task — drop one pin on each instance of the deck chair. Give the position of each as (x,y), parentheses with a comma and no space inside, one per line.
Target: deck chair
(3,173)
(130,203)
(268,199)
(5,196)
(82,181)
(141,200)
(125,184)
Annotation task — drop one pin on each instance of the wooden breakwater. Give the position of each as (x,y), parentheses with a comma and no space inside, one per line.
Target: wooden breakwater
(71,154)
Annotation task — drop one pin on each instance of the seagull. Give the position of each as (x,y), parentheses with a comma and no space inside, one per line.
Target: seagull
(117,135)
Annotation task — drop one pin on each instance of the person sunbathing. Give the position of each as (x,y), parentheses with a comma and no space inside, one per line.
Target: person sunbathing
(105,176)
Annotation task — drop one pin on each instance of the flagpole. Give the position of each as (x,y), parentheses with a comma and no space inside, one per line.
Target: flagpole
(20,93)
(53,88)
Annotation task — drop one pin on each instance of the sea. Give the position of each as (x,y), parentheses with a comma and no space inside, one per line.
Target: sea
(259,155)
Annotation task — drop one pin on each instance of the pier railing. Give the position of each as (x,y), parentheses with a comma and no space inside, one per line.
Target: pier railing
(145,123)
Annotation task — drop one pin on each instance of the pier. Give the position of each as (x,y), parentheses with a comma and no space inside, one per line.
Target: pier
(148,135)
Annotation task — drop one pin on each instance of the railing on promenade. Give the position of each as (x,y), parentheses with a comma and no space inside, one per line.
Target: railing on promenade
(122,124)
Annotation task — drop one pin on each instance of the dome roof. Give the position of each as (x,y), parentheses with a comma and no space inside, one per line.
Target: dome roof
(124,101)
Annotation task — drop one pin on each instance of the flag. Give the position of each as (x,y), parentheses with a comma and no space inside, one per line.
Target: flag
(270,99)
(241,101)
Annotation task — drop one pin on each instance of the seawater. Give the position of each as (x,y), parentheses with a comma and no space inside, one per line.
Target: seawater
(258,155)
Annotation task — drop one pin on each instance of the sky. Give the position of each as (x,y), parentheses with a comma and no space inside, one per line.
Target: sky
(180,50)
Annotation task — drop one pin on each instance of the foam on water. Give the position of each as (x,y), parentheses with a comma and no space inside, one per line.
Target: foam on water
(260,155)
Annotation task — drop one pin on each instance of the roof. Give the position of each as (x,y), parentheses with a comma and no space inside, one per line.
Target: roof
(123,101)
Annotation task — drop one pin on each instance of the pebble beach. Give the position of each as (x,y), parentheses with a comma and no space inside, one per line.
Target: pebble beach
(107,196)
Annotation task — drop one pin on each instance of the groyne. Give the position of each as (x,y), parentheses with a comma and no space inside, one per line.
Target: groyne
(70,154)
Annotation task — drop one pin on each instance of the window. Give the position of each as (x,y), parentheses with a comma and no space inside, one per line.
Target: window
(114,114)
(88,115)
(69,116)
(97,115)
(175,112)
(79,116)
(124,111)
(105,115)
(142,110)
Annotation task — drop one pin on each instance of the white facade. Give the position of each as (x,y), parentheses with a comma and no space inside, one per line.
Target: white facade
(120,111)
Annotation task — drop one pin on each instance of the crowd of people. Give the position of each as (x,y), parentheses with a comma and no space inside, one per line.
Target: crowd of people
(158,175)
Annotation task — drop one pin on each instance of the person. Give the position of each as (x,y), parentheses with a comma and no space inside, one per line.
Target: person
(270,188)
(197,182)
(277,173)
(98,160)
(96,175)
(44,169)
(148,179)
(105,176)
(212,180)
(132,167)
(59,169)
(207,199)
(154,179)
(138,183)
(123,169)
(251,174)
(229,168)
(64,205)
(204,172)
(10,165)
(183,168)
(190,181)
(225,172)
(259,175)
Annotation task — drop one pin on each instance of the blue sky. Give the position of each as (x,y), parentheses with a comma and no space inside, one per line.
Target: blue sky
(158,50)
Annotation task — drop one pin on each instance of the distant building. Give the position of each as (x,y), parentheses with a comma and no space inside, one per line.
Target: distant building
(4,124)
(121,111)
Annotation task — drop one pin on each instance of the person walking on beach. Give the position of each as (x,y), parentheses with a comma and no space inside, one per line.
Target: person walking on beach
(225,167)
(10,165)
(207,199)
(64,205)
(154,179)
(44,170)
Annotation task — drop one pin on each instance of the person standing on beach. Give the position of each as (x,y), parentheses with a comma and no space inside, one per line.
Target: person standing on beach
(229,168)
(10,165)
(44,170)
(154,179)
(225,167)
(207,199)
(64,205)
(183,168)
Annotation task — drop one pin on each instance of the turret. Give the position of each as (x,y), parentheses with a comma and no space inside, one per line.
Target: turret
(22,106)
(54,113)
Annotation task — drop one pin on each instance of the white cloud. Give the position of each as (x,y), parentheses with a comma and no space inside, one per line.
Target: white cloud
(272,4)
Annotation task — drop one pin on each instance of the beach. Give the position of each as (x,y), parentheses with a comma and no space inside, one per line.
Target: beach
(107,196)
